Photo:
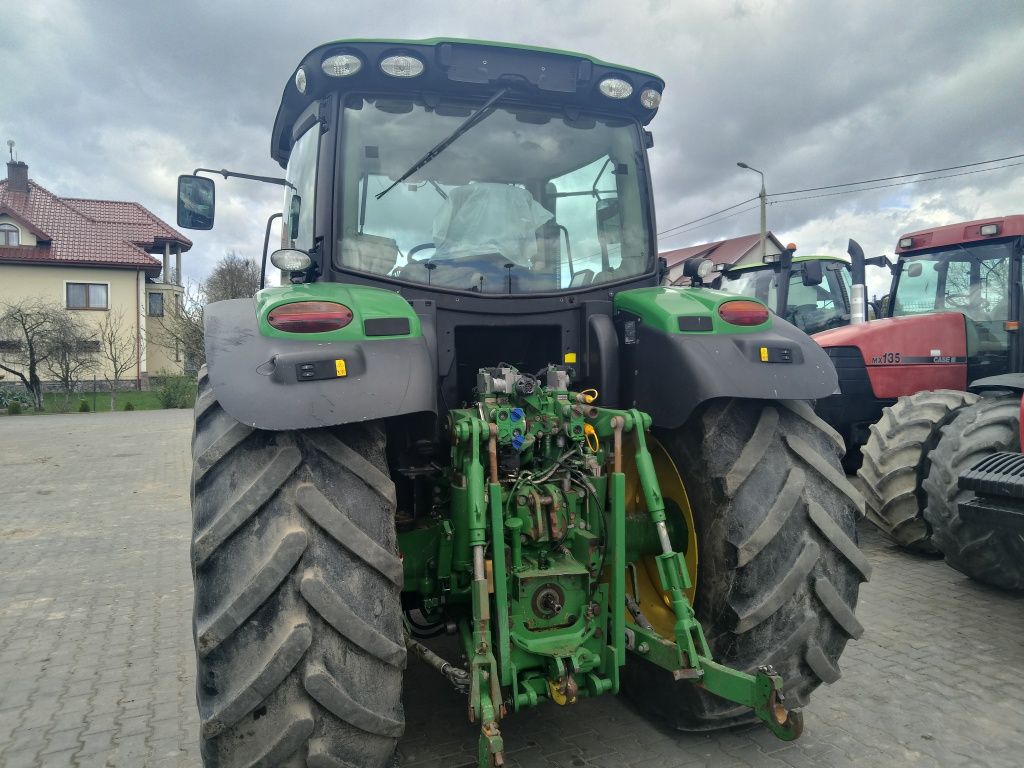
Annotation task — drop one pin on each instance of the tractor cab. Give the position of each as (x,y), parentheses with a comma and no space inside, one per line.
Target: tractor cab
(979,280)
(468,169)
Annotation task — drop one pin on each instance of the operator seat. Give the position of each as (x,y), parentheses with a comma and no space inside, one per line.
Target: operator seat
(486,217)
(481,228)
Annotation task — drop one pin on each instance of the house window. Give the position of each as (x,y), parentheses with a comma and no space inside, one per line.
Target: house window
(87,295)
(9,235)
(156,304)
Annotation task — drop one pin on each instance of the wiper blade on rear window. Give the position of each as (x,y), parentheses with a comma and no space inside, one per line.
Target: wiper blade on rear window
(465,126)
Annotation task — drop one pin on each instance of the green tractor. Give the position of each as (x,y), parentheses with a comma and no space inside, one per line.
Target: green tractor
(471,409)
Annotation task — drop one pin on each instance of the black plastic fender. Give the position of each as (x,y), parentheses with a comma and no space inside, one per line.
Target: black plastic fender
(256,378)
(1014,382)
(670,375)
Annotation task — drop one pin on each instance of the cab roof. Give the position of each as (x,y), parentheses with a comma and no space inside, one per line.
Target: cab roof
(962,232)
(468,69)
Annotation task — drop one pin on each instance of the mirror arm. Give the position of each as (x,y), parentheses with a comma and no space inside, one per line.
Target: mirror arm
(226,174)
(266,245)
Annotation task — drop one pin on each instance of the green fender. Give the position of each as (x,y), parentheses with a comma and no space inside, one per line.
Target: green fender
(677,352)
(378,365)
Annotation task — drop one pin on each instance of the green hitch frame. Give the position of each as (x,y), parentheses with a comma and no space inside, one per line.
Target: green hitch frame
(508,524)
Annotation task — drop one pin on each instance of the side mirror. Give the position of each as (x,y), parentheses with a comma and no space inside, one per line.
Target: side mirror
(609,226)
(915,269)
(811,273)
(196,202)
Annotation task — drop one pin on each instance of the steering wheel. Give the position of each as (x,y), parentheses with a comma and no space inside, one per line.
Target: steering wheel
(417,248)
(958,300)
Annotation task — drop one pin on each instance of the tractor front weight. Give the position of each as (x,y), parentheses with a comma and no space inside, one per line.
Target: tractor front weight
(525,553)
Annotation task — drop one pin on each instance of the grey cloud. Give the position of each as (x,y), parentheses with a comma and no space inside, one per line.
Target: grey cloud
(114,99)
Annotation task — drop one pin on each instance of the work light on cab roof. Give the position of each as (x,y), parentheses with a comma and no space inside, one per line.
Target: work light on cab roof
(342,65)
(402,66)
(616,88)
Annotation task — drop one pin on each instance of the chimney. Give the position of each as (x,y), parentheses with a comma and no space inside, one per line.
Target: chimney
(17,176)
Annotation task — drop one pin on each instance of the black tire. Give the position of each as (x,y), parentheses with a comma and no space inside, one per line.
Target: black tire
(896,463)
(297,624)
(779,567)
(987,555)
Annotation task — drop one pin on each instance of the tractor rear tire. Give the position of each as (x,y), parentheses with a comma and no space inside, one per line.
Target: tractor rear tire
(896,463)
(297,623)
(778,564)
(990,556)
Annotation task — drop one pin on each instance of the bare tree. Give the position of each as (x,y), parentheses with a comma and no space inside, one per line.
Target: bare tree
(116,350)
(183,327)
(25,330)
(233,277)
(71,352)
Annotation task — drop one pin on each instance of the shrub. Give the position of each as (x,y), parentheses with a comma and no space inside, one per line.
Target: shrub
(10,396)
(177,392)
(83,406)
(13,408)
(129,407)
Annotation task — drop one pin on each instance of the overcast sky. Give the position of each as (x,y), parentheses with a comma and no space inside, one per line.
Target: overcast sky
(115,99)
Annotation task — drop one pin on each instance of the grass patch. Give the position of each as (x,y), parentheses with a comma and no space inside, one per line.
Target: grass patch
(53,402)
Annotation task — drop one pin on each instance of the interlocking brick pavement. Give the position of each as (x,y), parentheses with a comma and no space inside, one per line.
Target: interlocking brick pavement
(96,662)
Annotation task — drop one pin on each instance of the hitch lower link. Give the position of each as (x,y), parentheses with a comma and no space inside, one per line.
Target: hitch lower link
(689,657)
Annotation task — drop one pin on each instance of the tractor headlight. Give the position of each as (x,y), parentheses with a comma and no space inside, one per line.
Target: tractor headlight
(615,88)
(290,260)
(401,66)
(300,80)
(650,98)
(698,269)
(341,65)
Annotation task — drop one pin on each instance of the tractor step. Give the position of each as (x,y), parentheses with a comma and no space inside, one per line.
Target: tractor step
(1001,474)
(998,482)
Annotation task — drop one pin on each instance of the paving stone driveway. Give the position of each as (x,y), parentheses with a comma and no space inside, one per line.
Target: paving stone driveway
(96,665)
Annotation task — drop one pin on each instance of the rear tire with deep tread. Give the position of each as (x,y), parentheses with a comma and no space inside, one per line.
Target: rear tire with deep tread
(779,569)
(990,556)
(895,463)
(297,621)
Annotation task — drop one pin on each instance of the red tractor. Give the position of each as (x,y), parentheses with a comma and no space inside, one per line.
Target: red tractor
(949,333)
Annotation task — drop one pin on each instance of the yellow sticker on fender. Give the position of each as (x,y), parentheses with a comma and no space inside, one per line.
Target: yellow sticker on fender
(764,354)
(339,368)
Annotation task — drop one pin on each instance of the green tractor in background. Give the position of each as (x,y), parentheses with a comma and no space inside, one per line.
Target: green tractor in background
(811,292)
(471,409)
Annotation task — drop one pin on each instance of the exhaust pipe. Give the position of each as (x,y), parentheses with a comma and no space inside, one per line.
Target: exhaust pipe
(858,291)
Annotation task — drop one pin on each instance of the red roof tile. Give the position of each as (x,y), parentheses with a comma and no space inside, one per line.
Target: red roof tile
(720,252)
(86,232)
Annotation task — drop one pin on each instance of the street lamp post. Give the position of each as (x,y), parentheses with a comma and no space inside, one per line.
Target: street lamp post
(764,211)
